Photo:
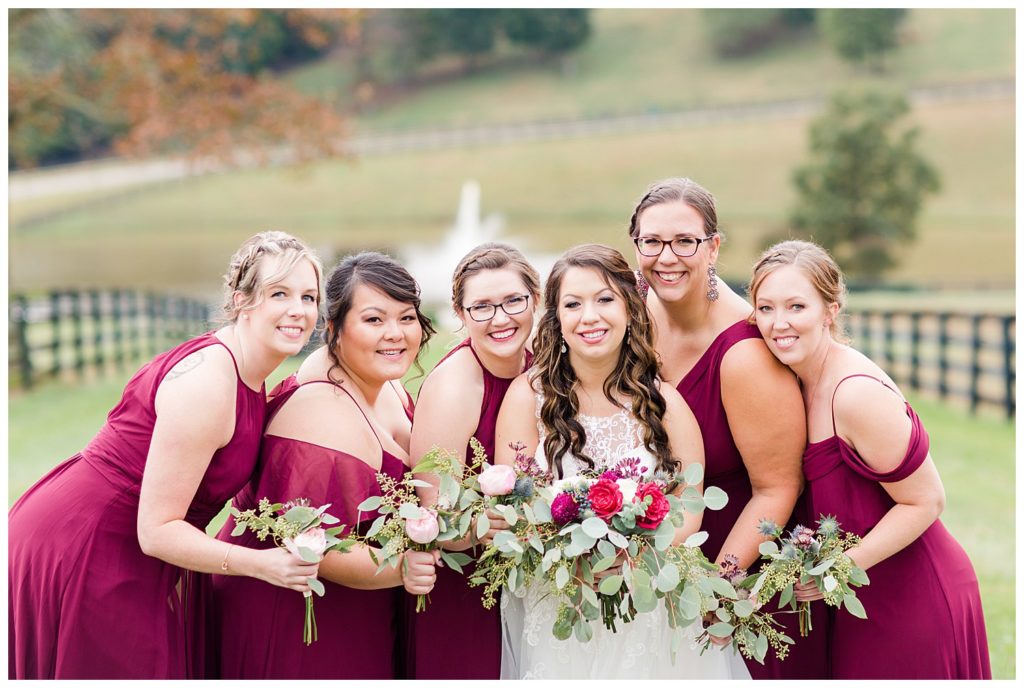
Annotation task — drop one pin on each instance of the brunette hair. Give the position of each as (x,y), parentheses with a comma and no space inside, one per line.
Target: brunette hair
(635,374)
(245,271)
(677,189)
(492,256)
(377,270)
(815,263)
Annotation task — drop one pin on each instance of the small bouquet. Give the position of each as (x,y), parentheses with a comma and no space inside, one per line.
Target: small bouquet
(403,524)
(296,527)
(510,491)
(808,555)
(739,618)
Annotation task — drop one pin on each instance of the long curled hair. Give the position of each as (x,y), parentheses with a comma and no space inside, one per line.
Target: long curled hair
(383,273)
(636,374)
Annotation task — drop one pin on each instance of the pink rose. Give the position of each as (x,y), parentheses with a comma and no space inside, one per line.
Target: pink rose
(314,539)
(657,510)
(497,480)
(605,499)
(423,530)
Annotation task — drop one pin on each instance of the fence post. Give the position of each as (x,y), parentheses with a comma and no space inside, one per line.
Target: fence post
(1009,374)
(97,323)
(943,361)
(55,326)
(915,350)
(21,327)
(890,357)
(975,361)
(115,316)
(133,325)
(151,321)
(76,298)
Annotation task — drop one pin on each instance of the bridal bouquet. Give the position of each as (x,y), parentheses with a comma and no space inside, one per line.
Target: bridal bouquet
(808,555)
(403,524)
(738,618)
(296,527)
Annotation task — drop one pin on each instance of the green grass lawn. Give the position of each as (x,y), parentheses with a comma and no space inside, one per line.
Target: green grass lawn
(643,59)
(975,456)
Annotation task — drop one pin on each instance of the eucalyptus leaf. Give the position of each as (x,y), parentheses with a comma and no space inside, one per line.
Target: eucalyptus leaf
(723,588)
(582,539)
(328,520)
(513,578)
(504,538)
(606,548)
(536,543)
(316,586)
(528,514)
(830,583)
(858,576)
(854,606)
(410,511)
(309,556)
(692,501)
(369,504)
(743,608)
(644,600)
(721,629)
(483,524)
(589,595)
(562,630)
(618,539)
(693,474)
(422,483)
(761,647)
(723,614)
(664,535)
(786,595)
(715,498)
(583,631)
(602,564)
(465,520)
(610,585)
(641,579)
(668,578)
(238,530)
(447,558)
(542,511)
(561,577)
(821,567)
(768,548)
(595,527)
(689,602)
(375,527)
(697,539)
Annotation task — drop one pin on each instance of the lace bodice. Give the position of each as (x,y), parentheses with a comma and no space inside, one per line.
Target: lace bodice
(609,440)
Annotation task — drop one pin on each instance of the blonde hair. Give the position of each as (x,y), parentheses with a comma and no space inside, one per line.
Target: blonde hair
(815,263)
(492,256)
(245,276)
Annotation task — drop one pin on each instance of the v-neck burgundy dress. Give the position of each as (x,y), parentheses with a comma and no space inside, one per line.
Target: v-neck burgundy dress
(256,628)
(701,387)
(84,601)
(456,638)
(925,619)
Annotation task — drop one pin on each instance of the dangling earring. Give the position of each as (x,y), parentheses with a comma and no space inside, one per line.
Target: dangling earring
(563,347)
(626,342)
(641,285)
(712,283)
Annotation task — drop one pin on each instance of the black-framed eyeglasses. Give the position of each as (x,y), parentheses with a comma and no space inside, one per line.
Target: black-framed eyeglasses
(684,247)
(513,305)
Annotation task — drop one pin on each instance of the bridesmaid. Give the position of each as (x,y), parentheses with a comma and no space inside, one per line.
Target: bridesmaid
(102,549)
(746,403)
(494,294)
(868,465)
(334,425)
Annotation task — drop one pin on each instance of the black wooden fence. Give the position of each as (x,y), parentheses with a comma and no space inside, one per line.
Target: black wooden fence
(76,334)
(965,357)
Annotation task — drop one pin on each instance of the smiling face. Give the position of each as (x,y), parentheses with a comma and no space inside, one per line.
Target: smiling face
(380,336)
(286,312)
(792,316)
(673,278)
(593,316)
(504,335)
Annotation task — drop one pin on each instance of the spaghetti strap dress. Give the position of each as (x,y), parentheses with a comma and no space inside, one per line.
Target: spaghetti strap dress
(84,601)
(456,617)
(701,387)
(256,627)
(924,610)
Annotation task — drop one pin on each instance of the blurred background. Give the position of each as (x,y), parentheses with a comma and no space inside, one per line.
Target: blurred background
(146,145)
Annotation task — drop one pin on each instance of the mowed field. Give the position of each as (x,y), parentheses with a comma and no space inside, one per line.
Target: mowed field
(551,195)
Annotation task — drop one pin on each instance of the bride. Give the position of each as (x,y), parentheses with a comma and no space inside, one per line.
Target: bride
(592,398)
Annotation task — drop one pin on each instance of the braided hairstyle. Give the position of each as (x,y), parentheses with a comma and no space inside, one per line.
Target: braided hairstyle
(383,273)
(678,189)
(245,271)
(492,256)
(636,374)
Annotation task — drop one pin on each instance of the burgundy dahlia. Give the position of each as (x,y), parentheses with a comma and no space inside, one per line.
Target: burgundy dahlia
(564,509)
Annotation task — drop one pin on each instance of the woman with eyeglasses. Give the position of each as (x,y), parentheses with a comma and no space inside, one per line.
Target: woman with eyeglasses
(747,404)
(494,295)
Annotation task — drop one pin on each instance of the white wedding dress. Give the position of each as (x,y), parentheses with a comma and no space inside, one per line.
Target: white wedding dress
(639,649)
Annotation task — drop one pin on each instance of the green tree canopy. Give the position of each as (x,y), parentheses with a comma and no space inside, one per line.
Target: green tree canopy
(861,191)
(861,35)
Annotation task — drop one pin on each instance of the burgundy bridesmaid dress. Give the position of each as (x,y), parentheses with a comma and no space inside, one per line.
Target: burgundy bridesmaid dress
(455,620)
(255,631)
(84,601)
(701,387)
(924,610)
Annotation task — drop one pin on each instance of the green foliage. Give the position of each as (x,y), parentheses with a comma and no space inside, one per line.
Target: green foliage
(741,32)
(551,30)
(861,35)
(861,192)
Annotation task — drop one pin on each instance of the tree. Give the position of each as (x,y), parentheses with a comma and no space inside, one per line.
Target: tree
(190,81)
(862,36)
(741,32)
(862,190)
(555,31)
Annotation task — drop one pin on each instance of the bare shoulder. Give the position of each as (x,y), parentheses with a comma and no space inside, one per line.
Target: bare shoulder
(675,405)
(521,392)
(322,414)
(871,417)
(456,382)
(207,376)
(752,356)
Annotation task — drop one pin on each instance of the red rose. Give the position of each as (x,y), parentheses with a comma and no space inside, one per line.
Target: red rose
(605,498)
(657,510)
